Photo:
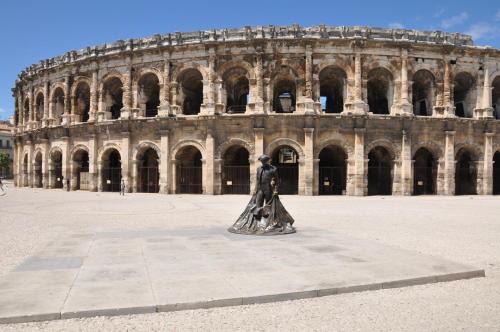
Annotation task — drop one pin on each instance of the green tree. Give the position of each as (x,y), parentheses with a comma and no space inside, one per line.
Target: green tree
(4,160)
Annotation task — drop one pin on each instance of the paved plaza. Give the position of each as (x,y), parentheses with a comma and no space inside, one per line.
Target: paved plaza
(80,254)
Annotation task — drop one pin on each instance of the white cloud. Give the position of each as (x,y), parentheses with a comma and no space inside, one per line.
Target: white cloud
(396,25)
(483,30)
(454,20)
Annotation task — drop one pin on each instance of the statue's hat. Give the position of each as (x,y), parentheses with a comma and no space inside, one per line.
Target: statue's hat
(264,157)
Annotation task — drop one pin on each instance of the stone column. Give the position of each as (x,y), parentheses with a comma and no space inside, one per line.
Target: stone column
(406,108)
(406,165)
(30,107)
(18,162)
(449,108)
(51,174)
(396,177)
(46,104)
(440,190)
(488,165)
(66,117)
(258,99)
(125,158)
(99,175)
(31,177)
(308,171)
(65,162)
(307,101)
(134,165)
(358,172)
(208,169)
(164,109)
(164,162)
(259,150)
(127,93)
(449,163)
(315,176)
(92,163)
(358,106)
(94,96)
(485,110)
(173,178)
(45,163)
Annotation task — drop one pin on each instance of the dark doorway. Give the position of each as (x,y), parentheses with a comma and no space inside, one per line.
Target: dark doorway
(237,88)
(422,90)
(81,159)
(424,173)
(57,169)
(149,94)
(284,96)
(236,171)
(464,95)
(38,170)
(112,172)
(465,174)
(286,159)
(379,172)
(379,90)
(189,171)
(191,91)
(149,175)
(332,171)
(113,97)
(82,102)
(496,173)
(332,81)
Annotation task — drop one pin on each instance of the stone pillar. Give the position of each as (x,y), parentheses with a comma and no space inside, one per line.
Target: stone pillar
(307,103)
(405,107)
(46,104)
(308,165)
(396,177)
(99,175)
(173,178)
(45,163)
(259,150)
(125,158)
(65,162)
(127,93)
(51,174)
(488,165)
(440,187)
(94,96)
(208,106)
(315,177)
(208,169)
(358,172)
(18,162)
(134,167)
(66,117)
(258,99)
(449,108)
(31,107)
(359,106)
(164,109)
(92,163)
(31,178)
(449,163)
(406,165)
(485,109)
(164,162)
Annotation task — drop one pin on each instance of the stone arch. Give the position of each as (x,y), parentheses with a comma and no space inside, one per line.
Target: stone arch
(234,64)
(54,87)
(106,149)
(77,148)
(222,148)
(464,92)
(271,147)
(385,143)
(425,167)
(143,146)
(333,88)
(466,169)
(39,104)
(423,90)
(181,67)
(77,81)
(433,148)
(147,87)
(108,76)
(184,143)
(54,149)
(474,149)
(349,150)
(337,62)
(80,99)
(380,89)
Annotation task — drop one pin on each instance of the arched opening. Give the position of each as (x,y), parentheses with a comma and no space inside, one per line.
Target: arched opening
(113,97)
(189,171)
(332,171)
(236,171)
(286,159)
(424,173)
(111,171)
(39,106)
(379,172)
(380,91)
(82,102)
(237,88)
(38,170)
(332,89)
(191,91)
(149,94)
(26,111)
(285,92)
(464,95)
(423,92)
(465,173)
(25,170)
(496,173)
(81,170)
(58,105)
(148,172)
(495,97)
(57,175)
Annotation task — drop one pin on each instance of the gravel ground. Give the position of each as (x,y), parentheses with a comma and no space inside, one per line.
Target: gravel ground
(462,229)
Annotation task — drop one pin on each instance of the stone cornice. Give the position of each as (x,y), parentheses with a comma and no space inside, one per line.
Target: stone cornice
(294,32)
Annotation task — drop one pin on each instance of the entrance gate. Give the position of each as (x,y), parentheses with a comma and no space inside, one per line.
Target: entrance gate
(332,180)
(189,179)
(235,180)
(149,179)
(111,178)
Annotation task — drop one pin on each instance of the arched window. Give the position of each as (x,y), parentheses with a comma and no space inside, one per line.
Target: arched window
(237,88)
(332,89)
(191,91)
(113,97)
(149,94)
(464,95)
(380,91)
(82,102)
(423,93)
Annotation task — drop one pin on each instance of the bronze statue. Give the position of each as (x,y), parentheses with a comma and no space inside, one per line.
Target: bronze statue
(264,214)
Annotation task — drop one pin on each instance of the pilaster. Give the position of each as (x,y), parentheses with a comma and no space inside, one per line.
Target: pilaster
(488,165)
(208,170)
(308,172)
(449,163)
(359,169)
(406,165)
(164,162)
(125,158)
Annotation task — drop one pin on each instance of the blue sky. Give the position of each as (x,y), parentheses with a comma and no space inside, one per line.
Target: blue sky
(34,30)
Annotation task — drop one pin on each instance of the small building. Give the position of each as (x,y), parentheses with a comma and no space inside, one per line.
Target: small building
(6,147)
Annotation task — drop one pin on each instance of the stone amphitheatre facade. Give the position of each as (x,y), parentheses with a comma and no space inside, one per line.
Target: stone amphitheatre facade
(341,110)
